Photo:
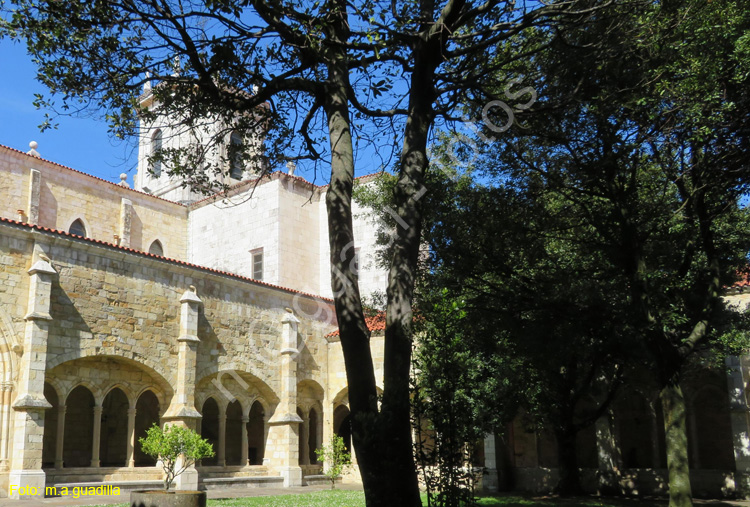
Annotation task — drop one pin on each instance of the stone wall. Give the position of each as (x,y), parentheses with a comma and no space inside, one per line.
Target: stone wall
(115,320)
(55,196)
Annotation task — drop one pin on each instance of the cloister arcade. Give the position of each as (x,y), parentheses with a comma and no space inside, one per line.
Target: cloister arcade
(97,423)
(637,454)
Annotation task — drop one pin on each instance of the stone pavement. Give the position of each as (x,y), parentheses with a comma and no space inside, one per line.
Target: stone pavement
(213,493)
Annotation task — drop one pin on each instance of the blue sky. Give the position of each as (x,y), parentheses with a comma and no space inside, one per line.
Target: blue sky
(80,143)
(83,143)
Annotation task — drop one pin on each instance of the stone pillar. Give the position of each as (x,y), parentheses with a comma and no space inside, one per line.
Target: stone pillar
(130,456)
(95,462)
(30,404)
(182,409)
(60,437)
(608,456)
(490,479)
(738,412)
(7,391)
(126,218)
(221,452)
(304,458)
(244,458)
(35,188)
(282,448)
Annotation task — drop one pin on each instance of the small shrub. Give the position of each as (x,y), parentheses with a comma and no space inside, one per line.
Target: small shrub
(336,458)
(169,444)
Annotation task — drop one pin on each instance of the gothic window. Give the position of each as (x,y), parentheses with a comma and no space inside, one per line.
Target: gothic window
(235,154)
(156,248)
(77,228)
(257,263)
(156,139)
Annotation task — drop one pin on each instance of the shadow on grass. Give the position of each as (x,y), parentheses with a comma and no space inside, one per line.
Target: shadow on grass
(515,500)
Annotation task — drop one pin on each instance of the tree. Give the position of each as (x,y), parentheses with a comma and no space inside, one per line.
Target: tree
(653,160)
(335,457)
(293,66)
(545,320)
(173,446)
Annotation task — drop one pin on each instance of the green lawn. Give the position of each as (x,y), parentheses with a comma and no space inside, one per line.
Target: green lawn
(335,498)
(339,498)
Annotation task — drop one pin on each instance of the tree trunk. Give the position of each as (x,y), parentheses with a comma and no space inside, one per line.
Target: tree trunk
(397,445)
(570,483)
(673,406)
(382,438)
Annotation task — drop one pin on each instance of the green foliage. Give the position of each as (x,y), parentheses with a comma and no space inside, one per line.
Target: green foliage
(335,457)
(177,448)
(448,404)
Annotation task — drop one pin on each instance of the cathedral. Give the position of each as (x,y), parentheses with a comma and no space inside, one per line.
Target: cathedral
(125,307)
(132,304)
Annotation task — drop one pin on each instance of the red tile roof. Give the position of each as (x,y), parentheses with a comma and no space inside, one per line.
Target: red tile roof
(744,278)
(374,323)
(166,259)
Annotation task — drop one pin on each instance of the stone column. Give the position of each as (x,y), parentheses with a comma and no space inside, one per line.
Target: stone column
(130,456)
(126,218)
(221,451)
(738,412)
(490,479)
(284,426)
(304,458)
(95,462)
(182,409)
(30,404)
(7,391)
(244,458)
(608,455)
(60,439)
(35,188)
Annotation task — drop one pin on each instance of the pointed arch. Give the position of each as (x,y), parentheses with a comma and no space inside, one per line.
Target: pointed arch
(234,428)
(256,433)
(156,248)
(156,145)
(210,428)
(147,408)
(79,414)
(235,155)
(78,228)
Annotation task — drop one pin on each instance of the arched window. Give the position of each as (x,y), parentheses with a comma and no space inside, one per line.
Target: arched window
(156,248)
(235,155)
(155,148)
(78,228)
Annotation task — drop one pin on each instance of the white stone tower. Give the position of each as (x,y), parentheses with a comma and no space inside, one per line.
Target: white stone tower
(165,133)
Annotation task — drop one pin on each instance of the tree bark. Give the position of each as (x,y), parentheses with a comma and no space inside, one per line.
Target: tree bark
(381,437)
(673,406)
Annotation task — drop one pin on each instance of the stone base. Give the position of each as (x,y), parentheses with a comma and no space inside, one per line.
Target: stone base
(187,480)
(26,484)
(292,476)
(490,481)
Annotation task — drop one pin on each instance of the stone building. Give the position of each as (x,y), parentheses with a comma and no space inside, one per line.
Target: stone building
(120,309)
(625,453)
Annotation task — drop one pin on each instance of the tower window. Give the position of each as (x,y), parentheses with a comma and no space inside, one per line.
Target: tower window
(235,155)
(257,263)
(78,228)
(156,139)
(156,248)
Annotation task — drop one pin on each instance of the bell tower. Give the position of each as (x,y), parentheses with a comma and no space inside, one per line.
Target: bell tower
(218,144)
